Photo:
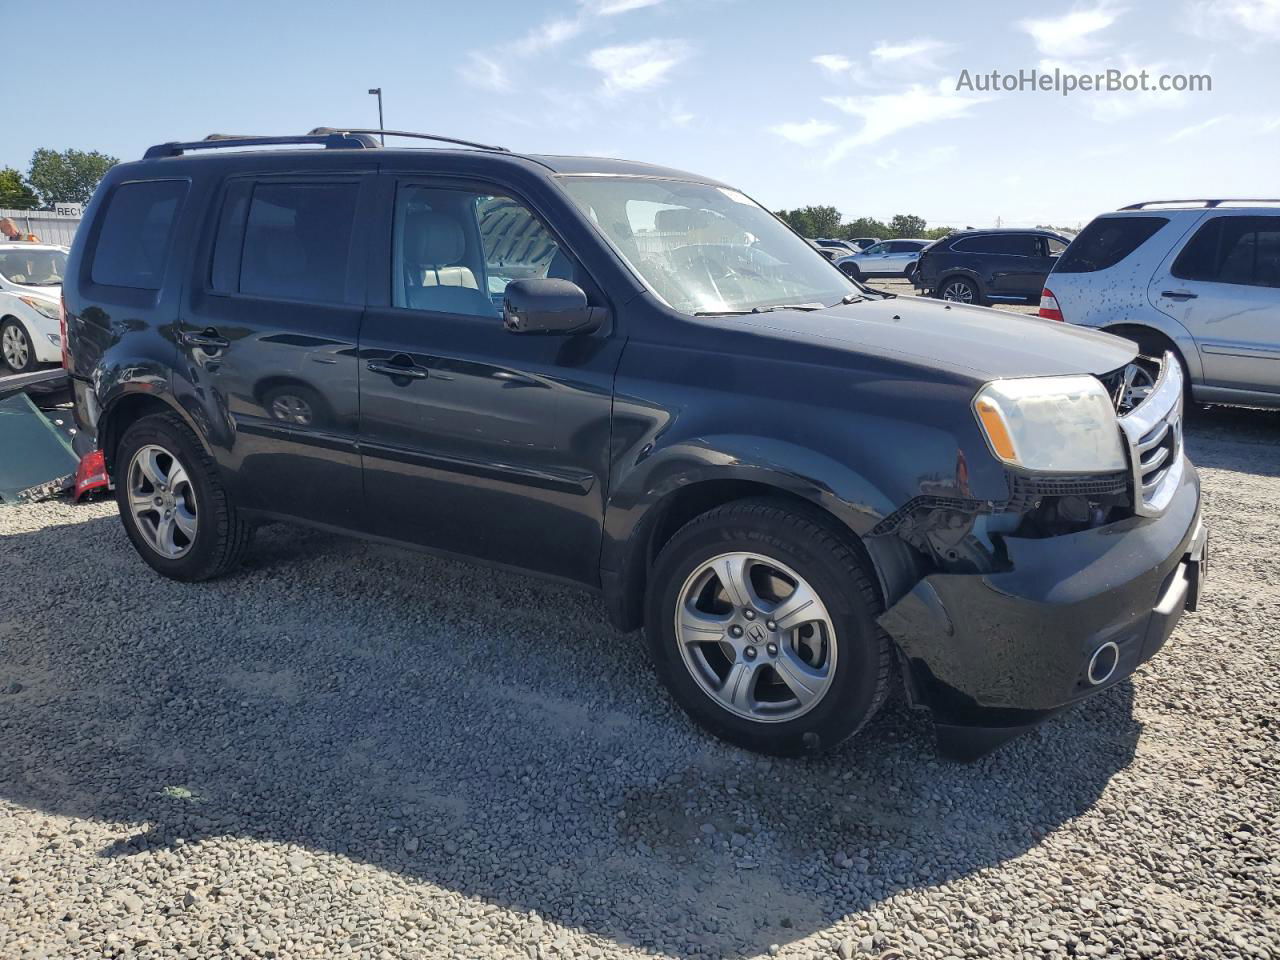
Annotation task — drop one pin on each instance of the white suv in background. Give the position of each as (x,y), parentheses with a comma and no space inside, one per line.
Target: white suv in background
(1201,277)
(30,294)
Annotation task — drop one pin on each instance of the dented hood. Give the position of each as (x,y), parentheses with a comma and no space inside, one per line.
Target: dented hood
(976,342)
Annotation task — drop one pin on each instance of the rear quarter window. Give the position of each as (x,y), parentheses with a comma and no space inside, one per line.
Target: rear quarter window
(1106,241)
(136,233)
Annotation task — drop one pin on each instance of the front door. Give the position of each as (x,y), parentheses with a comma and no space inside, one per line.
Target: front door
(1224,288)
(268,338)
(475,440)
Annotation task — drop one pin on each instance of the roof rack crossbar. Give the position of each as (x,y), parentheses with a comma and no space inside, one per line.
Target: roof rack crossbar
(371,131)
(330,140)
(1207,203)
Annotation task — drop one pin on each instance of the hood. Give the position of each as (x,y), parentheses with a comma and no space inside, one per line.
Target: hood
(52,294)
(976,342)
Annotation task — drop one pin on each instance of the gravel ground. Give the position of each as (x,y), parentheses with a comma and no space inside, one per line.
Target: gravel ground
(350,750)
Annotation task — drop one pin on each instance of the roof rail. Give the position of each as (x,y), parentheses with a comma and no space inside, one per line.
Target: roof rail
(370,131)
(330,140)
(1208,204)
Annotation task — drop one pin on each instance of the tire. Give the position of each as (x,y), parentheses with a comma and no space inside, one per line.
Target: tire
(16,348)
(1152,343)
(959,290)
(857,654)
(851,271)
(202,550)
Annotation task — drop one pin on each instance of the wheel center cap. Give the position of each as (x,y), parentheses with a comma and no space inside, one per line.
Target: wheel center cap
(756,633)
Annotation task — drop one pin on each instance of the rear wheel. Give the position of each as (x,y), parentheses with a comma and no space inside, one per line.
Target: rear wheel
(851,271)
(959,290)
(16,347)
(1152,343)
(172,502)
(761,623)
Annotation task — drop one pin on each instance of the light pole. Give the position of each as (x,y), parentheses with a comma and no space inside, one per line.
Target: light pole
(377,91)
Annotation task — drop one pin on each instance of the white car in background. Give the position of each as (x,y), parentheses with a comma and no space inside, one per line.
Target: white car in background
(888,258)
(1198,277)
(30,296)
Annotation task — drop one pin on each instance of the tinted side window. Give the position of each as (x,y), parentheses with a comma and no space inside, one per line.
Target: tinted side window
(1054,246)
(1106,241)
(1018,245)
(1242,250)
(297,241)
(137,226)
(904,246)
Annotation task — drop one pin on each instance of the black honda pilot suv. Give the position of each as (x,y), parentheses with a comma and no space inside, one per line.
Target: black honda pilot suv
(637,380)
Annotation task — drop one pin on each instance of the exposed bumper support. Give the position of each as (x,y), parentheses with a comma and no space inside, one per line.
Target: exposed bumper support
(992,655)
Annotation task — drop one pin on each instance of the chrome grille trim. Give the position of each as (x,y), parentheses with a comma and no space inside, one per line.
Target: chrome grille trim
(1153,433)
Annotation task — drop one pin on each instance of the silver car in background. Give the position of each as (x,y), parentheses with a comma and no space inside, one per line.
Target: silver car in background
(1198,277)
(888,258)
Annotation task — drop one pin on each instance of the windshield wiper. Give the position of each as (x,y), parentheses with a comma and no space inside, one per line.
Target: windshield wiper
(722,313)
(789,306)
(850,298)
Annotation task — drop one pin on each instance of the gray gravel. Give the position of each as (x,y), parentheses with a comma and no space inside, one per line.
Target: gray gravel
(349,750)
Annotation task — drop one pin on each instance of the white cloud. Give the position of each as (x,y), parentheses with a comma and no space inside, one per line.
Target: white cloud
(1195,129)
(805,133)
(637,66)
(484,72)
(883,115)
(678,116)
(1269,126)
(608,8)
(920,49)
(548,35)
(1259,18)
(1072,34)
(833,62)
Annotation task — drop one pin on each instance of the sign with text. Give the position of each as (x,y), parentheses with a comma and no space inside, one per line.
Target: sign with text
(75,210)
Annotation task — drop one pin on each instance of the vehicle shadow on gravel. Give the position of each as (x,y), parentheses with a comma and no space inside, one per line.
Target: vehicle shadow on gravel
(482,732)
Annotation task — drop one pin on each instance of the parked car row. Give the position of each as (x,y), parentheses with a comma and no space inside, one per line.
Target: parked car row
(636,379)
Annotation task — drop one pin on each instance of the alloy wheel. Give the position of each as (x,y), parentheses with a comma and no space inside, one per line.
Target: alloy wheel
(13,344)
(291,408)
(756,637)
(957,291)
(163,501)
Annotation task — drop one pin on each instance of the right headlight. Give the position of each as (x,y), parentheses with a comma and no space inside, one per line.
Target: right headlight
(1051,424)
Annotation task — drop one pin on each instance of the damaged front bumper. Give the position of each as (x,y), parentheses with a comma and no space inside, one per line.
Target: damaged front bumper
(991,655)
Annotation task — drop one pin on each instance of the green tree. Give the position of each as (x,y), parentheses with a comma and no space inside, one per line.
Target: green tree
(812,221)
(936,233)
(865,227)
(15,193)
(69,177)
(907,225)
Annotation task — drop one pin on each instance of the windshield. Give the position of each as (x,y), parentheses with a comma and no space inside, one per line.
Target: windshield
(33,268)
(706,249)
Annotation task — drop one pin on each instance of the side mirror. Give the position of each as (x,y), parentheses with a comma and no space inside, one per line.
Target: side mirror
(548,305)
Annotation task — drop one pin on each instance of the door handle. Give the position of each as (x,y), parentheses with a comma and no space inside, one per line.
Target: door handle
(209,340)
(1179,294)
(388,369)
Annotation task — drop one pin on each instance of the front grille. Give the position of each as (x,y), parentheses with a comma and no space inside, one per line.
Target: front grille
(1153,430)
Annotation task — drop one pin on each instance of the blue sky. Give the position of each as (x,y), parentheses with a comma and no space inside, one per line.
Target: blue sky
(848,103)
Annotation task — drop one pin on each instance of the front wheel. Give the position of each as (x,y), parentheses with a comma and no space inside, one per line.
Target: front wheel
(16,347)
(760,621)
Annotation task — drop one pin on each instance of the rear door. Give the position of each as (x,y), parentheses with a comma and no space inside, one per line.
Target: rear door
(1223,286)
(478,441)
(269,335)
(1018,265)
